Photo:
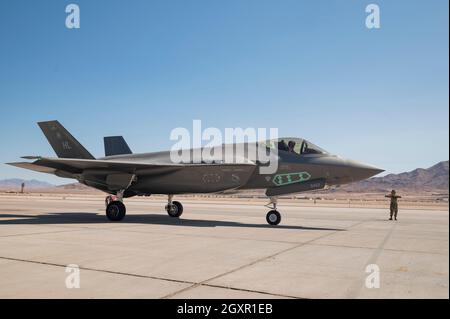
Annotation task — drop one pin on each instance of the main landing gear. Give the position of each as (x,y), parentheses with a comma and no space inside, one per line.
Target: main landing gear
(273,217)
(115,209)
(174,208)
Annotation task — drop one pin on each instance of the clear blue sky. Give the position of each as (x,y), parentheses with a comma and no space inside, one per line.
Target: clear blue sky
(310,68)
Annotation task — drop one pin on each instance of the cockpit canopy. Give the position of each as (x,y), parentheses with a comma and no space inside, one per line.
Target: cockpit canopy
(294,145)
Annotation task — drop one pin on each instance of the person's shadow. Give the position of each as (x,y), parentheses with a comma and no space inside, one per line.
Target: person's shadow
(155,219)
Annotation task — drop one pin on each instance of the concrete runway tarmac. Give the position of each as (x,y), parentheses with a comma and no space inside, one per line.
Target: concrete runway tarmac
(218,249)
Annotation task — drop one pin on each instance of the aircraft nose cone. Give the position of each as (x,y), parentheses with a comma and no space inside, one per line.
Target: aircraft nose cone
(360,171)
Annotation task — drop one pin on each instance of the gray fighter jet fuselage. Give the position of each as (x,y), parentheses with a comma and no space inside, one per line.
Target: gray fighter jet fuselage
(301,166)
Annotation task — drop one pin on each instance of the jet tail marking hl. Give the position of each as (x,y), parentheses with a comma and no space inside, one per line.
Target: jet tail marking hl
(63,143)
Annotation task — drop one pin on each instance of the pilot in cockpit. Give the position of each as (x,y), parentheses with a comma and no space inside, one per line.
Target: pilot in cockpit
(282,146)
(291,146)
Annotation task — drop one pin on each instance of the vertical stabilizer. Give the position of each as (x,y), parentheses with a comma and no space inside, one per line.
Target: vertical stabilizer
(63,143)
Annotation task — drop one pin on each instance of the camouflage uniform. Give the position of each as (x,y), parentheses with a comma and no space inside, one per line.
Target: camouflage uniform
(394,204)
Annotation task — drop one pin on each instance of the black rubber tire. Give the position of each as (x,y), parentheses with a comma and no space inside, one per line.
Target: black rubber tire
(115,211)
(273,217)
(176,210)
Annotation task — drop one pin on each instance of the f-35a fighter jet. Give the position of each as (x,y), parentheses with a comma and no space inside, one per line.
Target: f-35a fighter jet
(301,166)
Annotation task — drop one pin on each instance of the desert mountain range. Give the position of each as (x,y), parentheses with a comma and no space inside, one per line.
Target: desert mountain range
(434,178)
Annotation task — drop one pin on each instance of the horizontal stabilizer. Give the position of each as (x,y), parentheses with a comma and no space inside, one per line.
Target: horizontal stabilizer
(34,167)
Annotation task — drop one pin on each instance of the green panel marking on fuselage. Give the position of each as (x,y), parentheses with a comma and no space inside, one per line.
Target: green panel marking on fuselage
(290,178)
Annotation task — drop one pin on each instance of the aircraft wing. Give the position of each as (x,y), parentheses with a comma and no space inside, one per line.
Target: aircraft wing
(74,168)
(44,164)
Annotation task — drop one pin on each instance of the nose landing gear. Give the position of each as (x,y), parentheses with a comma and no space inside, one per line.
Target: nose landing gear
(273,217)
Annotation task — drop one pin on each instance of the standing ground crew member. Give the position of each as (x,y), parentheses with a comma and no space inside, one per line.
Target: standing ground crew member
(394,204)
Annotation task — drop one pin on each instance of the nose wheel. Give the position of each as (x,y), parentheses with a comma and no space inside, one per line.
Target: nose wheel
(273,217)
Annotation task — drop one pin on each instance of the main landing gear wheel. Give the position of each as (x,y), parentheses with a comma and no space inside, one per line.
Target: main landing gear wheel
(115,211)
(175,209)
(273,217)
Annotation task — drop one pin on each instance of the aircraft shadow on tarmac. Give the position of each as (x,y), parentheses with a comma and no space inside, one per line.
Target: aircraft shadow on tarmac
(155,219)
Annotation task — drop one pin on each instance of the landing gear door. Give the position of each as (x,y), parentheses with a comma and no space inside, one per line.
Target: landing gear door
(297,187)
(117,182)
